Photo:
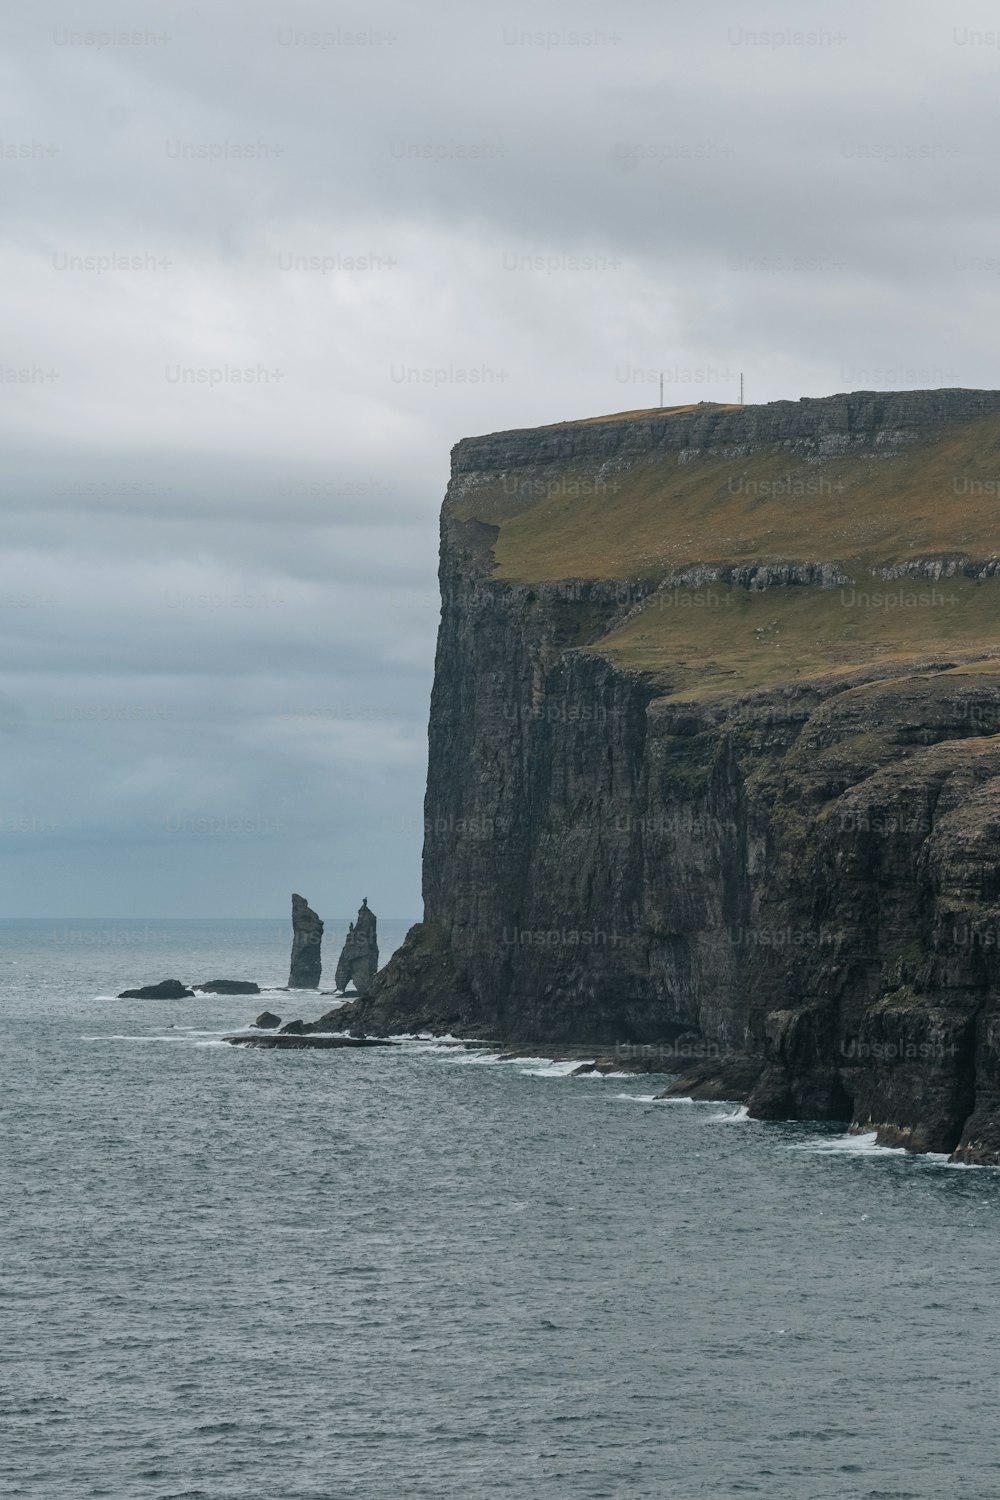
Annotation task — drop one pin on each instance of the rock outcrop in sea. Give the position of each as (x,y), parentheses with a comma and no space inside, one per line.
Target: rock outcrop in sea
(167,989)
(307,937)
(229,987)
(715,757)
(358,961)
(293,1041)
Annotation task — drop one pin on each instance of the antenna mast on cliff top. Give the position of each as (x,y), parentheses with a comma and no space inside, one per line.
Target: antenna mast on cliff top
(661,388)
(741,387)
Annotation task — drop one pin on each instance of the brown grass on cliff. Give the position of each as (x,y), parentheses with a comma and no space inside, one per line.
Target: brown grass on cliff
(659,512)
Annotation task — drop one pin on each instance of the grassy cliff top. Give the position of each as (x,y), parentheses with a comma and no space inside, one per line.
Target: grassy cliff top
(937,492)
(863,481)
(653,413)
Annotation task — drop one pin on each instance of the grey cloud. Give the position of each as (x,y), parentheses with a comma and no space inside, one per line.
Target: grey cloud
(466,221)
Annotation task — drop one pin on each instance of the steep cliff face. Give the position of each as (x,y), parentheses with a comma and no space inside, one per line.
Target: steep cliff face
(715,756)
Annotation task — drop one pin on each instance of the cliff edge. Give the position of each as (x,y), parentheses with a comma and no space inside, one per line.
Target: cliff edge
(715,756)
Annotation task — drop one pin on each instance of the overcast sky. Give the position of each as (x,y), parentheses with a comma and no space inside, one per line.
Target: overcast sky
(219,594)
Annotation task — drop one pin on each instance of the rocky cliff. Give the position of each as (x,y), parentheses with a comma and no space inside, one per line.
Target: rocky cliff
(715,756)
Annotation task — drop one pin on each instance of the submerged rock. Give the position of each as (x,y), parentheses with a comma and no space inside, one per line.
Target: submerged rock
(359,959)
(307,937)
(167,989)
(229,987)
(293,1028)
(267,1020)
(282,1040)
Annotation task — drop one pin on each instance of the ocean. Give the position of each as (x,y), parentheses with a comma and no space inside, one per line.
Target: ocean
(421,1272)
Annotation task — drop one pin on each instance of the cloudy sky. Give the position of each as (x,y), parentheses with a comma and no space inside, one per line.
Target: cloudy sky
(265,263)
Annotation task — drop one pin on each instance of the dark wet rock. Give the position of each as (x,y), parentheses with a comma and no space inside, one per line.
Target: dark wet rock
(918,1086)
(717,1079)
(283,1040)
(267,1020)
(980,1140)
(293,1028)
(436,998)
(167,989)
(229,987)
(608,1065)
(307,937)
(358,961)
(330,1020)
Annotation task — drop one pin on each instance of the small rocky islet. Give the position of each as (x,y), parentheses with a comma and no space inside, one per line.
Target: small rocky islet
(174,989)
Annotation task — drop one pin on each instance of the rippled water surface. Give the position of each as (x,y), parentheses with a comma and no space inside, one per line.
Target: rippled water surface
(419,1272)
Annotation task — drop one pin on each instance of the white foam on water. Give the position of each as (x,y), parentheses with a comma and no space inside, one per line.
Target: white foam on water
(176,1037)
(550,1069)
(432,1043)
(534,1067)
(850,1144)
(940,1159)
(853,1144)
(193,1036)
(422,1047)
(736,1117)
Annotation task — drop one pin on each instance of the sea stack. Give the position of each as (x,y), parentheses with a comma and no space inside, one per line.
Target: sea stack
(307,937)
(359,959)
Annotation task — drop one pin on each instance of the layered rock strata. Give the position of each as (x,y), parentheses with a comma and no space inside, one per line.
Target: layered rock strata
(715,757)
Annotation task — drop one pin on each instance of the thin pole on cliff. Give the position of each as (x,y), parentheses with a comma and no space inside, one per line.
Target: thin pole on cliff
(741,387)
(661,389)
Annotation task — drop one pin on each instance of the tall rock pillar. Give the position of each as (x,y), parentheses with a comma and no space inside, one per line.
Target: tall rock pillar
(307,936)
(359,959)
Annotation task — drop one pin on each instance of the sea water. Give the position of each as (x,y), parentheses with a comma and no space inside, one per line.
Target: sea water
(309,1275)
